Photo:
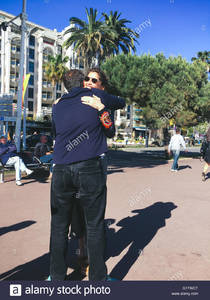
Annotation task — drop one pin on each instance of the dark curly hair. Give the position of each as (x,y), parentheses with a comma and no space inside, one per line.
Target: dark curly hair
(102,76)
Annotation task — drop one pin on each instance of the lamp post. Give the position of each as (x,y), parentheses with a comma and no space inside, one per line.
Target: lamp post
(4,26)
(20,84)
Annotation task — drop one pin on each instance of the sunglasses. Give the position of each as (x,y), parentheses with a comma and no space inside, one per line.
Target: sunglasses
(87,78)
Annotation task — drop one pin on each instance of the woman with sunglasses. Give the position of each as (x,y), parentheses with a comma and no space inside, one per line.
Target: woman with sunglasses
(95,79)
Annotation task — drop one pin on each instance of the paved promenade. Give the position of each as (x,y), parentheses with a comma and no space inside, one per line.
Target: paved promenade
(157,222)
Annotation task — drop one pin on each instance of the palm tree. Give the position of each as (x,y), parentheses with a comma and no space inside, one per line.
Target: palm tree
(86,37)
(99,39)
(124,36)
(204,57)
(55,69)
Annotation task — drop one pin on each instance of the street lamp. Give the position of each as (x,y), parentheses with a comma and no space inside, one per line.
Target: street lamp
(20,85)
(4,26)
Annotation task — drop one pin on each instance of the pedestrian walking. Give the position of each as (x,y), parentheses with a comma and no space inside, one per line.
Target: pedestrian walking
(176,142)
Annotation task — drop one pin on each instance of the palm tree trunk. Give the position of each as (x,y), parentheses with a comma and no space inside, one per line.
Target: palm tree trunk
(85,65)
(54,92)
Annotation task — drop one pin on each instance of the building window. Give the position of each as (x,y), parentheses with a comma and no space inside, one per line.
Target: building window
(49,95)
(13,90)
(31,80)
(15,62)
(58,95)
(32,40)
(59,49)
(47,105)
(31,66)
(30,93)
(45,57)
(44,96)
(31,53)
(30,106)
(44,84)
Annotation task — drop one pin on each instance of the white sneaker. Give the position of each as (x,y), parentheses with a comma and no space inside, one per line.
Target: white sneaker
(29,172)
(19,183)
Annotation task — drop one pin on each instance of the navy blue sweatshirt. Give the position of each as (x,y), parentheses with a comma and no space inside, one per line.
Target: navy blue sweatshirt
(6,151)
(79,134)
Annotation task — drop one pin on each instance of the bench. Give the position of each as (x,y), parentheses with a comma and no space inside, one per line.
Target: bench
(36,163)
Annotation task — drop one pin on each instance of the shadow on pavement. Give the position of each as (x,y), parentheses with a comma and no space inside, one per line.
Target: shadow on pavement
(136,231)
(118,159)
(41,175)
(16,227)
(184,167)
(37,269)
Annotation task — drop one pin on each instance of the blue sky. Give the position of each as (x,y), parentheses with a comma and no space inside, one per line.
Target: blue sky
(170,26)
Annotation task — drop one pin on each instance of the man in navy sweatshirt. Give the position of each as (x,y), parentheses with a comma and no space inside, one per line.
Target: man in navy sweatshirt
(80,168)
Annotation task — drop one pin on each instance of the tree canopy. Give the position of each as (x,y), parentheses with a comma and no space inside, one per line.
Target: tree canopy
(169,90)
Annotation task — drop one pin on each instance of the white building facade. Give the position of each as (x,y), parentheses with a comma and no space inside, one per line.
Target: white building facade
(39,44)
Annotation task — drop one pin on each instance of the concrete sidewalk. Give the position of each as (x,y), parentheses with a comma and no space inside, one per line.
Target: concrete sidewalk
(158,224)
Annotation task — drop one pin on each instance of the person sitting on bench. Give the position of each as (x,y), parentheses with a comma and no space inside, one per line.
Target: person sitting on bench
(8,156)
(42,151)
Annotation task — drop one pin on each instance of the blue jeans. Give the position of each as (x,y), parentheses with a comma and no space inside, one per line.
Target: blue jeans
(46,159)
(176,154)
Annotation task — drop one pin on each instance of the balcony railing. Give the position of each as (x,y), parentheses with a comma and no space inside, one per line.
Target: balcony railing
(46,111)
